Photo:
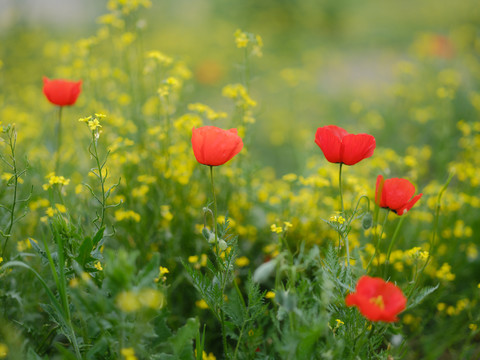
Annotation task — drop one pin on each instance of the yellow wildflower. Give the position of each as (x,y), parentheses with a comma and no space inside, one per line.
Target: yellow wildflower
(73,283)
(276,229)
(152,298)
(270,295)
(127,215)
(127,301)
(242,261)
(3,351)
(241,39)
(201,304)
(128,354)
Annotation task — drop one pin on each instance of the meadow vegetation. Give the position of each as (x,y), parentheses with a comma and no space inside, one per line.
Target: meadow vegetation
(133,227)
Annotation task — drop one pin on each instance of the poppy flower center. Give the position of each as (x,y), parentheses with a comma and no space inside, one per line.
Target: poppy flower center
(378,301)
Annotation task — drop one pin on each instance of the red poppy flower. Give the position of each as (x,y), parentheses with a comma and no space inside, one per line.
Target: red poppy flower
(339,146)
(214,146)
(395,194)
(377,299)
(61,92)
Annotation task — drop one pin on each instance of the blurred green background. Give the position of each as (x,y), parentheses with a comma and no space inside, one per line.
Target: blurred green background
(324,61)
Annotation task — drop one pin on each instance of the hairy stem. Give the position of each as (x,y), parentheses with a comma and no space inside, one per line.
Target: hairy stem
(392,242)
(222,315)
(59,140)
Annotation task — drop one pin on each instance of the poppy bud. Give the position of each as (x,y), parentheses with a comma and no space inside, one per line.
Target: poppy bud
(367,221)
(222,245)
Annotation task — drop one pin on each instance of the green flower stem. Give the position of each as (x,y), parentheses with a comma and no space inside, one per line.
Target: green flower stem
(59,140)
(377,237)
(60,281)
(340,187)
(344,237)
(214,210)
(222,315)
(394,238)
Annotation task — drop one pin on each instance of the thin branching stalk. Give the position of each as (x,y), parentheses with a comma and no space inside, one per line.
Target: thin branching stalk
(246,74)
(60,280)
(101,177)
(98,172)
(436,218)
(12,141)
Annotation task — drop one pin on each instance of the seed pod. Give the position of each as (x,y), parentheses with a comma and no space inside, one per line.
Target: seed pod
(367,221)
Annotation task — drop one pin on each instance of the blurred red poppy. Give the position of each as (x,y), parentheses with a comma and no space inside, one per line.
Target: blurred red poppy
(61,92)
(395,194)
(339,146)
(214,146)
(377,299)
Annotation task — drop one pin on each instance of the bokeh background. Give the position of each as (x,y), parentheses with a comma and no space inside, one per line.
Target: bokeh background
(324,61)
(407,72)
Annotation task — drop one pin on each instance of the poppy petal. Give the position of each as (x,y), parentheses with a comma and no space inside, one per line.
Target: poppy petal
(214,146)
(356,148)
(328,138)
(409,205)
(396,193)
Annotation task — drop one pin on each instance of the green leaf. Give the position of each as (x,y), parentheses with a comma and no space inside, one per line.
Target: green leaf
(66,355)
(148,273)
(98,236)
(161,328)
(306,346)
(420,295)
(84,252)
(182,341)
(98,349)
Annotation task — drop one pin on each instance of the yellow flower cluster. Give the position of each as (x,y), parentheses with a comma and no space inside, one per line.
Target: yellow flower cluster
(121,215)
(337,219)
(131,301)
(451,310)
(55,180)
(208,111)
(276,229)
(93,122)
(163,271)
(242,39)
(198,261)
(128,354)
(444,273)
